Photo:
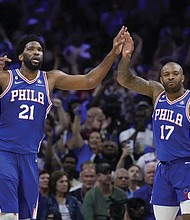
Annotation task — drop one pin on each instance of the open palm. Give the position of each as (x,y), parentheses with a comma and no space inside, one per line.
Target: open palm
(119,40)
(128,46)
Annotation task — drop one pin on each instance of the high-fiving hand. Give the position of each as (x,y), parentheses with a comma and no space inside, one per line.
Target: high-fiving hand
(128,45)
(119,40)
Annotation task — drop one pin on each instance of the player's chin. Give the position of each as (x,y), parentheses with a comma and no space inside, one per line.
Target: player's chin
(35,67)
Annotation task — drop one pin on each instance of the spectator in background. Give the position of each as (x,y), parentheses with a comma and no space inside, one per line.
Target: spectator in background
(53,215)
(76,143)
(59,199)
(121,180)
(182,51)
(44,177)
(95,143)
(55,123)
(117,104)
(126,158)
(113,17)
(109,153)
(166,46)
(88,180)
(145,105)
(135,179)
(69,162)
(84,149)
(141,135)
(115,121)
(77,53)
(149,155)
(97,200)
(94,120)
(145,191)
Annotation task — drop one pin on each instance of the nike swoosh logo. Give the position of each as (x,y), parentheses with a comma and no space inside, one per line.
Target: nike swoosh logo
(162,100)
(18,82)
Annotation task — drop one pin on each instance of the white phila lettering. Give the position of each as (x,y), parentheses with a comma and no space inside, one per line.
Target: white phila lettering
(168,115)
(27,94)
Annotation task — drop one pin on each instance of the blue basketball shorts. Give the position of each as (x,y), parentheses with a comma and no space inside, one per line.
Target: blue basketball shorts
(171,183)
(19,184)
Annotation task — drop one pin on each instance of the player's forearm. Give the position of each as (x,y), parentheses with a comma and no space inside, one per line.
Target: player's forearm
(98,73)
(124,74)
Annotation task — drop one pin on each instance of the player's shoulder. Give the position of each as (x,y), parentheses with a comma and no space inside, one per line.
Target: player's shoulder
(156,85)
(157,89)
(5,75)
(55,73)
(4,78)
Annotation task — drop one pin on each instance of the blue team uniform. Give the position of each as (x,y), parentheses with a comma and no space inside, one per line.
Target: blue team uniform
(171,127)
(23,108)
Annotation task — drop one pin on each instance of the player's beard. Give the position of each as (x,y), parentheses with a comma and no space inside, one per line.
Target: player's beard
(174,89)
(31,66)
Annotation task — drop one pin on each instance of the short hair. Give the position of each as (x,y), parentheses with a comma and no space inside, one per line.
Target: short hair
(88,163)
(70,154)
(117,171)
(26,39)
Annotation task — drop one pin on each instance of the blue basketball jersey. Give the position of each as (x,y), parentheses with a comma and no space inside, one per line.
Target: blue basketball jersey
(23,108)
(171,127)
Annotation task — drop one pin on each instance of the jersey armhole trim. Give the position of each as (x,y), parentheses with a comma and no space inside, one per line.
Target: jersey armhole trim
(188,109)
(9,84)
(48,94)
(158,97)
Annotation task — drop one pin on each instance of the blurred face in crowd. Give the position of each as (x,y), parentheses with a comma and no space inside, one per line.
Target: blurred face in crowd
(105,178)
(92,113)
(95,117)
(121,178)
(62,185)
(88,177)
(134,173)
(109,148)
(95,142)
(69,164)
(149,172)
(44,180)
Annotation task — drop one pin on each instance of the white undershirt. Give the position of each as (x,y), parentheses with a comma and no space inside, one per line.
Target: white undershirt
(65,215)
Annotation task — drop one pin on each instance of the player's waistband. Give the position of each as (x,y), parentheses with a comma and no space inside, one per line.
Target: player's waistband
(177,161)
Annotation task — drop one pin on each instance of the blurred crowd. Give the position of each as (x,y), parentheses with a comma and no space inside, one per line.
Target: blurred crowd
(98,144)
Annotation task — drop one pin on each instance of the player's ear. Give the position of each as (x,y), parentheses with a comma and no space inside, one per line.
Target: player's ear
(20,57)
(183,78)
(161,80)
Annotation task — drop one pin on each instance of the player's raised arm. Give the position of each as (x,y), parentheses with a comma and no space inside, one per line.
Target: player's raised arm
(96,75)
(130,81)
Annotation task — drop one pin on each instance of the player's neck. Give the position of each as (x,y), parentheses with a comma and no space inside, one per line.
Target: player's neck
(27,73)
(176,95)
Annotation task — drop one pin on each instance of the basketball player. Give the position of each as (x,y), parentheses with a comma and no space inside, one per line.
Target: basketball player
(171,127)
(25,102)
